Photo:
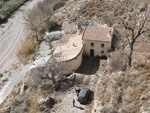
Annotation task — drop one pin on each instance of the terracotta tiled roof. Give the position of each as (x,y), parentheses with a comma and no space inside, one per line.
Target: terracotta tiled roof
(101,33)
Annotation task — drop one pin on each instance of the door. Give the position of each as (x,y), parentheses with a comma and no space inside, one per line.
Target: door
(91,52)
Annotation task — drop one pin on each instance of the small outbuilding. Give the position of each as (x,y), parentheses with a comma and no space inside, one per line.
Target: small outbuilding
(70,54)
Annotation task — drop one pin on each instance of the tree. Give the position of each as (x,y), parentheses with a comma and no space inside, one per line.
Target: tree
(135,24)
(55,70)
(51,70)
(36,18)
(51,25)
(56,73)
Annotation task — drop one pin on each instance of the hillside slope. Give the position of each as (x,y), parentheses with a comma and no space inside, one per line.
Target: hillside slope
(115,89)
(116,92)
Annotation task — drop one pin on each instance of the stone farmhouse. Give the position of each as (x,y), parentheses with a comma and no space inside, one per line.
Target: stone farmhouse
(92,42)
(97,41)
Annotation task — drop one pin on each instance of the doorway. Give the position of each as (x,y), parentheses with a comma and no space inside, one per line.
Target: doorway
(92,52)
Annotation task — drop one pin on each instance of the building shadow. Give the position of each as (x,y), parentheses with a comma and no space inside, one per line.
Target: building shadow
(89,65)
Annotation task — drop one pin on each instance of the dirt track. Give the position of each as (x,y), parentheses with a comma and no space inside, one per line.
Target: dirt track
(10,35)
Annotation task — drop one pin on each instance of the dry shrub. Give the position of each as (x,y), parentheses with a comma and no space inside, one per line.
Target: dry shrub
(27,49)
(147,55)
(118,93)
(86,80)
(33,100)
(136,96)
(15,92)
(46,87)
(117,61)
(110,92)
(141,60)
(7,7)
(18,104)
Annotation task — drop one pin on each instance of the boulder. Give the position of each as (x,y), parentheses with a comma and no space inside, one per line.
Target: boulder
(38,68)
(41,101)
(142,7)
(23,88)
(7,109)
(49,101)
(55,35)
(46,102)
(5,80)
(1,75)
(69,28)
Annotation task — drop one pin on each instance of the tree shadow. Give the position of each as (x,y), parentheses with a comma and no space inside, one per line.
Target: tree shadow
(57,27)
(89,65)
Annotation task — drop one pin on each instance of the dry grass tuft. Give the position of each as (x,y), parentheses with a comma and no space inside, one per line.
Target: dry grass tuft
(33,100)
(141,60)
(125,94)
(27,49)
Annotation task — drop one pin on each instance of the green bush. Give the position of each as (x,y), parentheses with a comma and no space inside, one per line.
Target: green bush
(51,25)
(58,5)
(9,6)
(16,103)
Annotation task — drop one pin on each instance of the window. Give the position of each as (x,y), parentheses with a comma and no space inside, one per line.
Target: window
(102,52)
(102,45)
(92,44)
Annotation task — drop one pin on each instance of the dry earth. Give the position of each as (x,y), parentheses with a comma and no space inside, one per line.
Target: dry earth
(66,105)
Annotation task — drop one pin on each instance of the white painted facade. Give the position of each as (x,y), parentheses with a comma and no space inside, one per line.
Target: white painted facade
(97,41)
(100,48)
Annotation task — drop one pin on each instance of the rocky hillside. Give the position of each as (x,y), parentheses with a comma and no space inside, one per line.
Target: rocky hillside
(117,88)
(116,92)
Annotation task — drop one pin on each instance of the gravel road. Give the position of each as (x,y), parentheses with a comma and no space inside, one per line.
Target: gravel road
(10,35)
(13,79)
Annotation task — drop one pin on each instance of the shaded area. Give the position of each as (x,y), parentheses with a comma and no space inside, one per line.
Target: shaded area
(89,65)
(89,98)
(81,108)
(116,40)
